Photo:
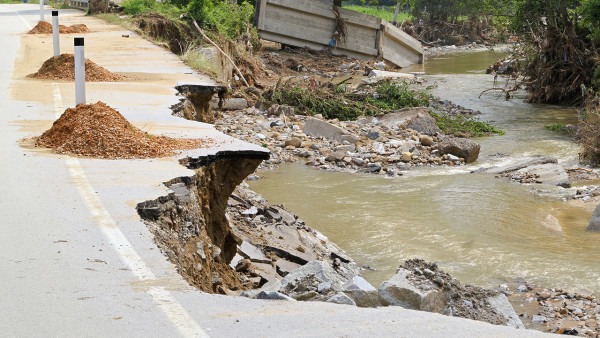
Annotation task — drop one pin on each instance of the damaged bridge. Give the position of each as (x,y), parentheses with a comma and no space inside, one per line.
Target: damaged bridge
(319,24)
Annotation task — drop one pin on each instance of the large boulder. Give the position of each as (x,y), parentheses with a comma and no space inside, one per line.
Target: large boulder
(594,224)
(362,292)
(401,291)
(417,119)
(318,128)
(461,147)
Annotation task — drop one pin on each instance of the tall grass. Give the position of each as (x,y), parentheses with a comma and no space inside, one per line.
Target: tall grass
(387,13)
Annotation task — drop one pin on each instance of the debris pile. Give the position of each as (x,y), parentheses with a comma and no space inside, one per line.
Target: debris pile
(557,310)
(97,130)
(63,68)
(44,27)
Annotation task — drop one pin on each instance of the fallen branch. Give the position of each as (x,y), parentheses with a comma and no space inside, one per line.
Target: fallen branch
(222,52)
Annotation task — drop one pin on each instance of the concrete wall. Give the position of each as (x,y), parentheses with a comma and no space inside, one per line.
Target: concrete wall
(311,23)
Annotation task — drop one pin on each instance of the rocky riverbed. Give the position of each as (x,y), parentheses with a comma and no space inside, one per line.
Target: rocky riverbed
(386,145)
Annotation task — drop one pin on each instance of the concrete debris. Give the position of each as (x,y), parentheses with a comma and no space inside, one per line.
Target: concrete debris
(594,224)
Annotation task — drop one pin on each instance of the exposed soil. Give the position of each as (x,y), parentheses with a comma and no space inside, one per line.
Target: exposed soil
(62,67)
(44,27)
(97,130)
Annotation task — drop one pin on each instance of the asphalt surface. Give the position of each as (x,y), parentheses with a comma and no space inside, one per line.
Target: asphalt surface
(75,259)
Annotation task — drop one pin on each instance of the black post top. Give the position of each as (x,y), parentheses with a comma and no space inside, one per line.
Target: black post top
(78,42)
(54,13)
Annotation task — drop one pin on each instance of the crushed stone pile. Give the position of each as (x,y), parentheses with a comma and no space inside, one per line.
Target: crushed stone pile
(62,67)
(97,130)
(44,27)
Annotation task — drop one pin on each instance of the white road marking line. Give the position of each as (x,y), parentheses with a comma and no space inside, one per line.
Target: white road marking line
(186,325)
(23,19)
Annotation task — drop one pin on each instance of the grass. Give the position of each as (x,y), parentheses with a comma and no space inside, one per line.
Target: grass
(9,1)
(465,126)
(386,14)
(193,57)
(557,127)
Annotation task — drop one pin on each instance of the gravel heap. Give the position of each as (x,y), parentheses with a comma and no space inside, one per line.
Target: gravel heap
(44,27)
(63,68)
(97,130)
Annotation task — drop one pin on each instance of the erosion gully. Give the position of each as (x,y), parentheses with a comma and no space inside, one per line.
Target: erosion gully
(482,229)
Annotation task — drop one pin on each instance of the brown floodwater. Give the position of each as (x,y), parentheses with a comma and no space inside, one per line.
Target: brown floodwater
(483,230)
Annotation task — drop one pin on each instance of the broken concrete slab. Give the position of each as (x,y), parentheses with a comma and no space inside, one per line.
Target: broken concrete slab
(341,298)
(521,164)
(273,295)
(548,173)
(383,75)
(253,253)
(399,291)
(594,224)
(362,292)
(318,128)
(417,119)
(234,103)
(502,306)
(314,275)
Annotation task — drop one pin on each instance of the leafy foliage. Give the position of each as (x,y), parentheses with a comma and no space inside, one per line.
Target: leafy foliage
(459,124)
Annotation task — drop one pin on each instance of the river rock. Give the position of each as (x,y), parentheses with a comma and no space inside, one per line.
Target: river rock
(400,291)
(594,224)
(293,142)
(362,292)
(426,140)
(502,306)
(461,147)
(406,156)
(318,128)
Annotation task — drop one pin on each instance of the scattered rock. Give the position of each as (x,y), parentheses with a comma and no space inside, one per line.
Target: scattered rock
(361,292)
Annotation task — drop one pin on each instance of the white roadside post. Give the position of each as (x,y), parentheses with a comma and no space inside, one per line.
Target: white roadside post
(79,72)
(41,10)
(55,33)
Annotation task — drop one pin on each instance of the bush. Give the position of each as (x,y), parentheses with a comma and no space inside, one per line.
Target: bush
(464,126)
(589,133)
(133,7)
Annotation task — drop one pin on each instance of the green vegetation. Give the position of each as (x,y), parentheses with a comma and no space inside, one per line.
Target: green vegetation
(231,20)
(589,135)
(556,127)
(465,126)
(387,13)
(193,57)
(333,103)
(9,1)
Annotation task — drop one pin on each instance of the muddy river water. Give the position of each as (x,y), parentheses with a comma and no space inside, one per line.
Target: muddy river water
(483,230)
